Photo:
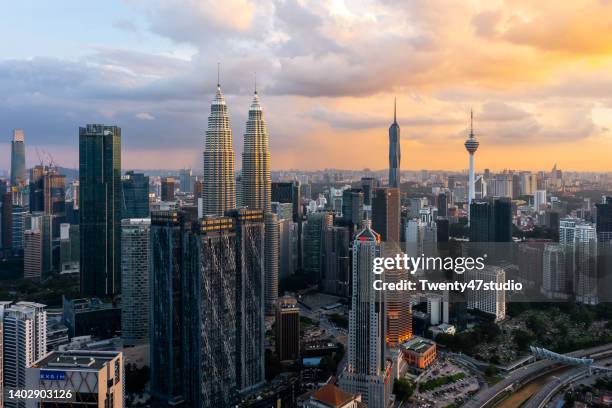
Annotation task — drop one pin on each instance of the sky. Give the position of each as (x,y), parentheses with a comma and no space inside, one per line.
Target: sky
(538,76)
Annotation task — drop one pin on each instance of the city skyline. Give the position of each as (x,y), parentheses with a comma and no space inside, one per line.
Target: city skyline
(328,99)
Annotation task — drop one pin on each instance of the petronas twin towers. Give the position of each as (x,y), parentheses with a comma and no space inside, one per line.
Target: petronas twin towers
(219,190)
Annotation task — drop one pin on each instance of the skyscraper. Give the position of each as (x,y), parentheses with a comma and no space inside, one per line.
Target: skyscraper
(167,188)
(166,308)
(250,331)
(100,209)
(210,331)
(272,261)
(352,207)
(186,180)
(471,145)
(313,241)
(489,301)
(135,280)
(491,220)
(367,371)
(336,260)
(135,188)
(219,180)
(288,192)
(287,329)
(368,185)
(386,211)
(256,181)
(32,254)
(25,341)
(18,167)
(394,151)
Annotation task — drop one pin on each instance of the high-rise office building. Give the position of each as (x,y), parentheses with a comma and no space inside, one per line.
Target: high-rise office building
(37,189)
(555,283)
(250,331)
(398,308)
(488,301)
(219,193)
(394,151)
(100,209)
(585,264)
(272,261)
(135,187)
(166,308)
(287,329)
(94,378)
(25,341)
(256,181)
(367,371)
(336,264)
(313,241)
(491,220)
(604,248)
(32,254)
(352,207)
(288,192)
(135,280)
(18,219)
(386,210)
(368,185)
(210,332)
(167,188)
(6,221)
(186,180)
(3,305)
(471,145)
(18,167)
(539,200)
(43,223)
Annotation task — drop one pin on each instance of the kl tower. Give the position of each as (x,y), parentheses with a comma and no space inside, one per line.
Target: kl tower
(471,145)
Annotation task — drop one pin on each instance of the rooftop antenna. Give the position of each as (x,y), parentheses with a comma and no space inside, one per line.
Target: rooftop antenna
(255,83)
(218,74)
(394,109)
(471,123)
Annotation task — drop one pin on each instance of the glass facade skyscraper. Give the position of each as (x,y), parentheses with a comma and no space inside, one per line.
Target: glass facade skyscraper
(166,312)
(135,188)
(100,209)
(250,330)
(18,167)
(394,151)
(210,305)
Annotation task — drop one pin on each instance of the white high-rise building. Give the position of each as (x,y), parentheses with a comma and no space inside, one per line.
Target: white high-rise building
(367,372)
(528,183)
(135,280)
(219,192)
(256,181)
(471,145)
(25,341)
(539,200)
(487,301)
(585,264)
(579,241)
(554,275)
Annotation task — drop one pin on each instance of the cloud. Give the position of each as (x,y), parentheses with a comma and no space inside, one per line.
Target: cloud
(532,72)
(144,116)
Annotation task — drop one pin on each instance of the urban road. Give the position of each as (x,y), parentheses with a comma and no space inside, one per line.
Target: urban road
(489,397)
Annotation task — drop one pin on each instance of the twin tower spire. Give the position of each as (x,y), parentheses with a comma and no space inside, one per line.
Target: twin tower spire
(219,190)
